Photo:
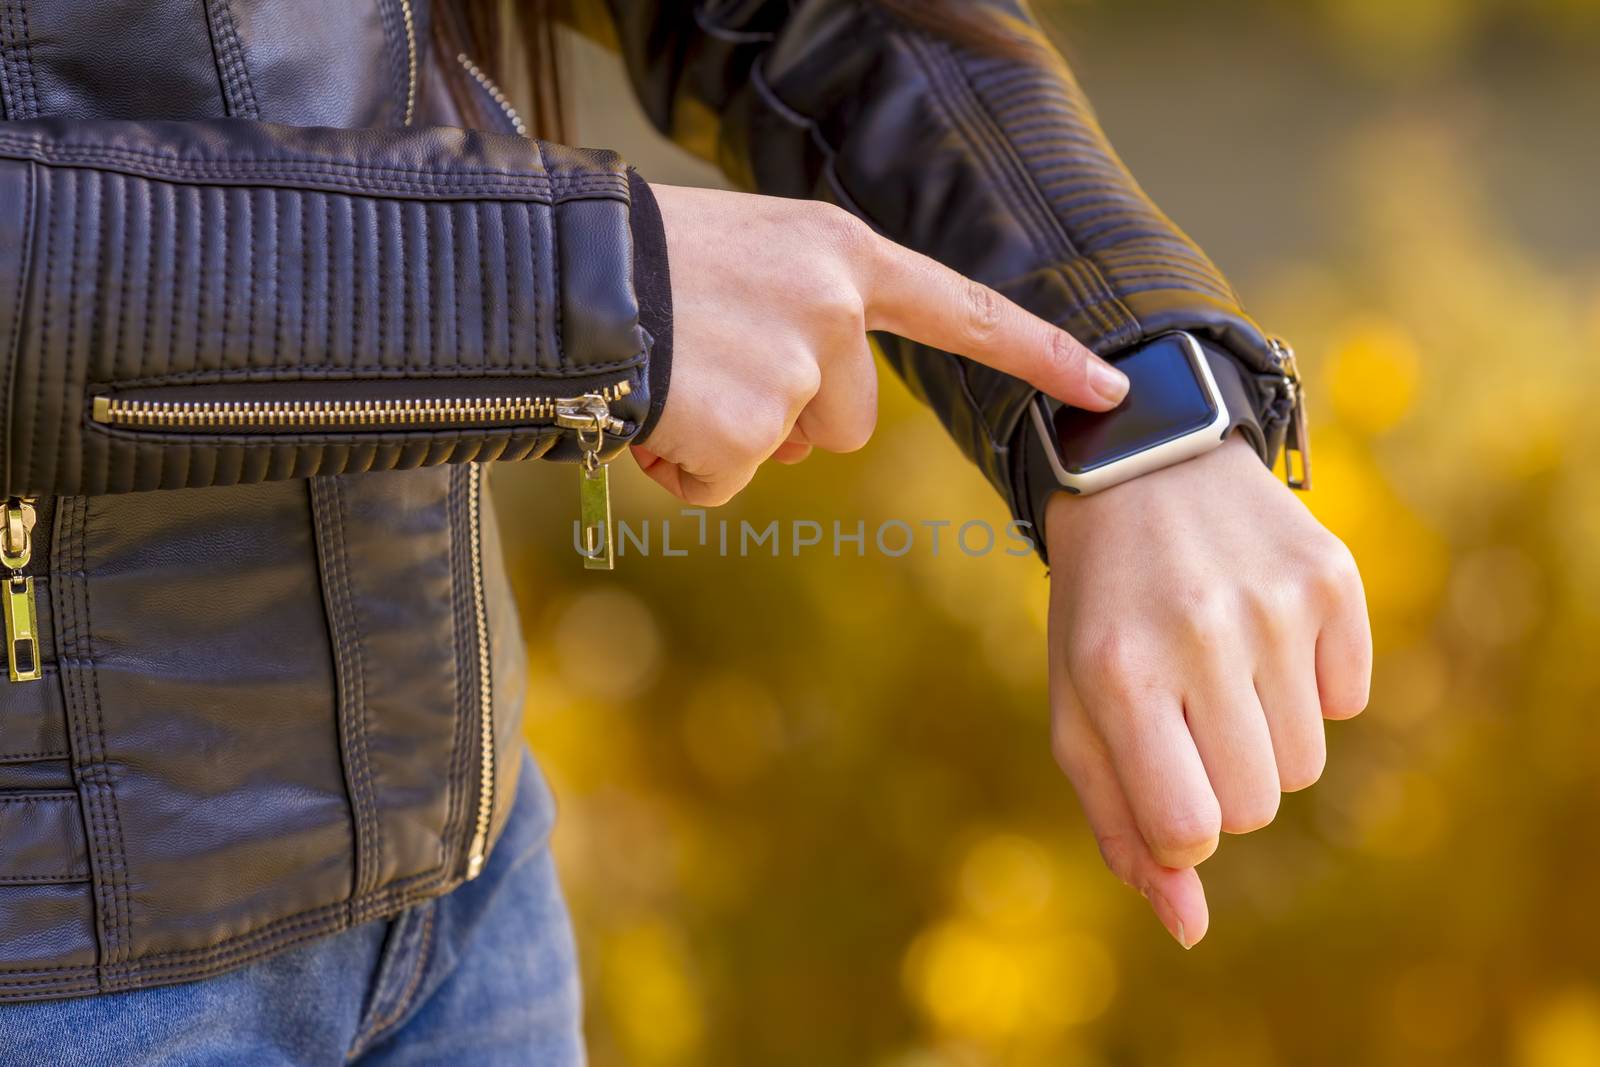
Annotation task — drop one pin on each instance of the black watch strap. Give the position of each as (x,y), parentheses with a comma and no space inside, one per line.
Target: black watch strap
(1238,398)
(1036,483)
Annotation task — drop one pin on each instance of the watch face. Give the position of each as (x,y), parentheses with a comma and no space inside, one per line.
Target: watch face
(1167,399)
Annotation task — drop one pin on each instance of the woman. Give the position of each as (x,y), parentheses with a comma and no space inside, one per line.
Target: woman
(268,310)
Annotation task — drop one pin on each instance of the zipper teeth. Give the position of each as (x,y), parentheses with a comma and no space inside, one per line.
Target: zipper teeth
(323,414)
(480,836)
(494,93)
(411,59)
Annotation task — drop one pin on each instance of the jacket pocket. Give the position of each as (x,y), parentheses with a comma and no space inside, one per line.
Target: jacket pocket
(42,831)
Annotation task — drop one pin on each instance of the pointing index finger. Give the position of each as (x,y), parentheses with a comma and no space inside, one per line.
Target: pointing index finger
(921,299)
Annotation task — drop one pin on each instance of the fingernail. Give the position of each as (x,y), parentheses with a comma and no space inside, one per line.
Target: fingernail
(1107,381)
(1169,918)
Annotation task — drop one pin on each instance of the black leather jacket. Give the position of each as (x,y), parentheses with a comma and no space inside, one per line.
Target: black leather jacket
(249,371)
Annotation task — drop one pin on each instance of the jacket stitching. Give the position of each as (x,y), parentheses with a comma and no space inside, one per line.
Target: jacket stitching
(405,285)
(301,926)
(22,60)
(253,251)
(176,287)
(238,93)
(328,518)
(101,769)
(1023,181)
(67,604)
(305,277)
(8,87)
(359,724)
(485,328)
(769,95)
(326,918)
(49,153)
(147,277)
(460,277)
(41,143)
(341,372)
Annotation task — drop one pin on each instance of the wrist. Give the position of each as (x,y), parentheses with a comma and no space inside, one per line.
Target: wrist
(1231,464)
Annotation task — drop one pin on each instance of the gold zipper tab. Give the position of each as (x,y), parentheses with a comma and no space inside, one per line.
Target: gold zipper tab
(589,417)
(21,607)
(1298,441)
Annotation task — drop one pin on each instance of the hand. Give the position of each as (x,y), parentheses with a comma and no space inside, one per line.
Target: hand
(772,303)
(1202,625)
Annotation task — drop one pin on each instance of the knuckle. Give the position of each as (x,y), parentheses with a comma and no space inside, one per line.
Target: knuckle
(856,430)
(851,235)
(746,436)
(1067,742)
(1114,662)
(1347,705)
(1249,813)
(845,311)
(1120,855)
(708,493)
(1302,771)
(1334,574)
(1277,608)
(800,380)
(984,311)
(1186,834)
(1207,614)
(1066,352)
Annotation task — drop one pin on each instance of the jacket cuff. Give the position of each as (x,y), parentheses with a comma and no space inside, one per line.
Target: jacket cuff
(652,282)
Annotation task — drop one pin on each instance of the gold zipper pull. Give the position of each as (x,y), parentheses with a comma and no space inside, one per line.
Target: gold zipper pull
(590,417)
(21,608)
(1299,435)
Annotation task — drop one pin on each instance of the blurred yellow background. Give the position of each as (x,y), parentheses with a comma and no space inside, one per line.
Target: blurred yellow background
(809,814)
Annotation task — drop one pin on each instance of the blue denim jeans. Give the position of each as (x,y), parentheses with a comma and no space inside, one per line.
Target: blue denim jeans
(485,976)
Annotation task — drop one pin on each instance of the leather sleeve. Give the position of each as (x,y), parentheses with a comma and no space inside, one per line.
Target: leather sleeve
(329,301)
(989,162)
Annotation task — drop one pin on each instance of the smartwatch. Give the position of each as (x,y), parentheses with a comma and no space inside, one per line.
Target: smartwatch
(1184,398)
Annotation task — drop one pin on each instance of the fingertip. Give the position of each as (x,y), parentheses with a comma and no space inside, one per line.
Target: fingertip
(1109,385)
(1179,902)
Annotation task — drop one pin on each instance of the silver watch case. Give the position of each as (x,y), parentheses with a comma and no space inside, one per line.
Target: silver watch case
(1186,446)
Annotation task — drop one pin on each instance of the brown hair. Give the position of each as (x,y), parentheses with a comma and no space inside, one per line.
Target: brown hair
(956,20)
(476,28)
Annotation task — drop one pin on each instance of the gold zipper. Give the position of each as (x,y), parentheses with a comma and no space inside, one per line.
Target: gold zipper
(1299,435)
(411,60)
(480,834)
(495,94)
(21,608)
(343,414)
(589,416)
